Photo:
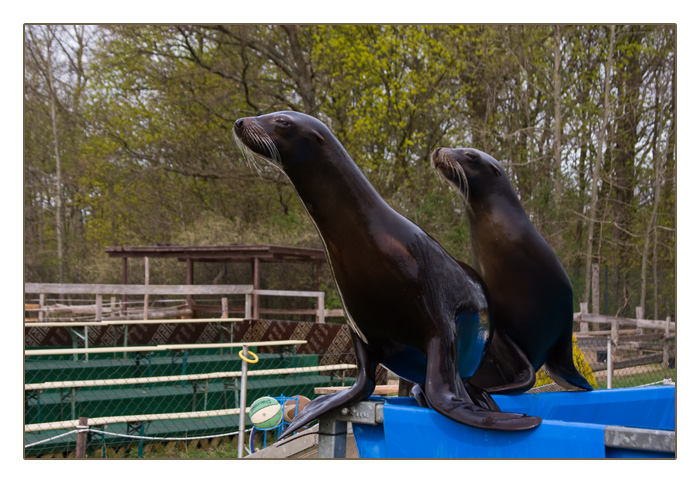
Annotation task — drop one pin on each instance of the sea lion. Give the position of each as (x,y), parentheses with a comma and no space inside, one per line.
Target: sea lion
(410,305)
(530,295)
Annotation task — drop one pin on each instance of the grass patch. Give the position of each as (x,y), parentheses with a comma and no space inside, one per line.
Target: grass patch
(651,374)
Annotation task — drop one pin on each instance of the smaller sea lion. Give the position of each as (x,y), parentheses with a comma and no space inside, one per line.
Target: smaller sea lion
(530,295)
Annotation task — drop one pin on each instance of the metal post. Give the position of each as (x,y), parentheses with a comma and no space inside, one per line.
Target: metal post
(85,336)
(126,338)
(332,427)
(72,403)
(610,366)
(142,432)
(241,417)
(332,438)
(184,366)
(104,445)
(81,440)
(74,340)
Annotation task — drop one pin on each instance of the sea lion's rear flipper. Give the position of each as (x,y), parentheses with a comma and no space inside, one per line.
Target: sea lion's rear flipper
(478,396)
(447,395)
(481,397)
(504,369)
(361,390)
(560,366)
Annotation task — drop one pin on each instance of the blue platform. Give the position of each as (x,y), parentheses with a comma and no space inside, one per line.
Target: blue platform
(574,425)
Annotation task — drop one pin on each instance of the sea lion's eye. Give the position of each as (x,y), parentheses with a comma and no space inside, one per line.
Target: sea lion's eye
(283,122)
(471,156)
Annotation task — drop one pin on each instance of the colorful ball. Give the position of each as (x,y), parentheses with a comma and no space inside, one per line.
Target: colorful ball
(265,413)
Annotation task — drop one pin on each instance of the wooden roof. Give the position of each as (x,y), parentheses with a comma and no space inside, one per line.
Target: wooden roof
(240,253)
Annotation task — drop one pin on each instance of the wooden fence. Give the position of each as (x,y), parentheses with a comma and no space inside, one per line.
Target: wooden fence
(642,337)
(117,308)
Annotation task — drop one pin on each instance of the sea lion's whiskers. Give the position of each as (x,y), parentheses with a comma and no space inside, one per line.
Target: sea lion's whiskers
(246,152)
(460,175)
(454,174)
(261,141)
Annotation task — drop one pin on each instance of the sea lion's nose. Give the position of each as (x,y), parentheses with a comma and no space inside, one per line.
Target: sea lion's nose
(239,124)
(437,151)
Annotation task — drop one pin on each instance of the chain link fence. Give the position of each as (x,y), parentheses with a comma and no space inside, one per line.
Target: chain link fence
(168,399)
(635,360)
(185,397)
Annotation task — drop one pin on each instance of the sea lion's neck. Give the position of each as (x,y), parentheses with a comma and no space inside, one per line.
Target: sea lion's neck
(496,207)
(336,194)
(496,221)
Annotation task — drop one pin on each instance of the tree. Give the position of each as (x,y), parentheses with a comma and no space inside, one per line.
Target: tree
(598,161)
(144,151)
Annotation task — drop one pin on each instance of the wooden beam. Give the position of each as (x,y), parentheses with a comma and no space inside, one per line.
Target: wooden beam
(189,279)
(381,390)
(131,322)
(289,293)
(609,319)
(124,282)
(595,296)
(623,363)
(109,289)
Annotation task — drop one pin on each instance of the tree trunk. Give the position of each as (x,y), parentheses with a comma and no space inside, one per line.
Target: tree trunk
(57,155)
(557,115)
(598,161)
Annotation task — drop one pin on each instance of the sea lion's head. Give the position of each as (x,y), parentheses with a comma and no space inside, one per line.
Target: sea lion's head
(284,139)
(473,172)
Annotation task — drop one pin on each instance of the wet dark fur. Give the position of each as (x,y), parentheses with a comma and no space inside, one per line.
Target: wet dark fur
(410,305)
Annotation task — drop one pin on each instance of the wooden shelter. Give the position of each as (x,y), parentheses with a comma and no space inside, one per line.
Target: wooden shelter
(253,254)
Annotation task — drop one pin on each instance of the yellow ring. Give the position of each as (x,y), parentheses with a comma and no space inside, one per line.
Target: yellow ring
(249,361)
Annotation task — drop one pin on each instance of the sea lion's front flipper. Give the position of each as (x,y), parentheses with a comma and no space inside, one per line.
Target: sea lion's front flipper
(419,395)
(504,369)
(447,394)
(361,390)
(560,366)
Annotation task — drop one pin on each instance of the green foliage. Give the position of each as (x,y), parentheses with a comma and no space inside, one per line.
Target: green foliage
(145,115)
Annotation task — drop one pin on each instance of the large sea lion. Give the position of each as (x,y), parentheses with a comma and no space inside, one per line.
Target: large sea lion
(410,305)
(530,295)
